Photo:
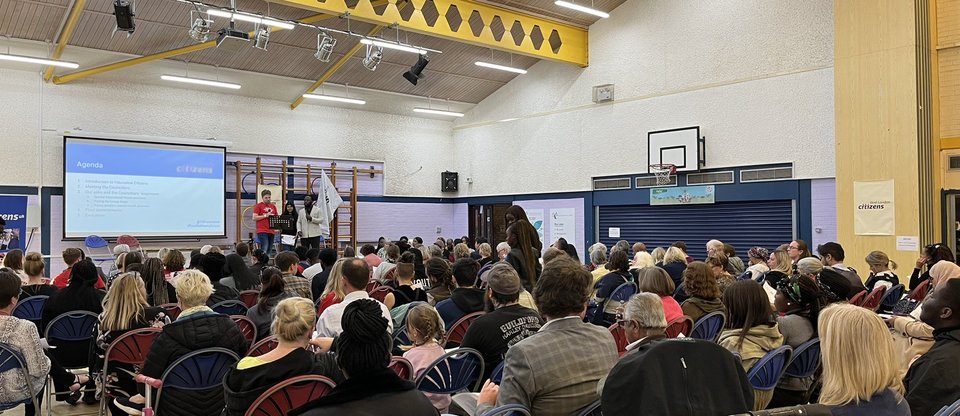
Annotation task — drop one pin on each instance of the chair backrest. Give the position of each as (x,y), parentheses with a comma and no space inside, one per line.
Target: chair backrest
(872,301)
(247,327)
(94,241)
(400,336)
(199,370)
(263,346)
(131,347)
(858,298)
(766,373)
(592,410)
(681,325)
(950,410)
(129,240)
(708,326)
(892,296)
(31,308)
(623,292)
(497,375)
(805,360)
(230,307)
(380,293)
(508,410)
(249,297)
(620,337)
(71,326)
(290,394)
(402,367)
(920,292)
(12,360)
(372,285)
(172,310)
(459,329)
(452,372)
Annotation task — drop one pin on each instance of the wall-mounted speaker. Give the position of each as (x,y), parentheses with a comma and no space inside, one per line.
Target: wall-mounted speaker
(449,182)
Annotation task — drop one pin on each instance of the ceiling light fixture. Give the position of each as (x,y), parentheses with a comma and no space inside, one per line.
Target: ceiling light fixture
(416,71)
(41,61)
(200,28)
(263,36)
(373,58)
(501,67)
(580,8)
(200,81)
(391,45)
(334,98)
(325,44)
(437,112)
(244,17)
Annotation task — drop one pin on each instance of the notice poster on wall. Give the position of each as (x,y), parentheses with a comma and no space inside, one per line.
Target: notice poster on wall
(13,211)
(536,219)
(873,208)
(563,223)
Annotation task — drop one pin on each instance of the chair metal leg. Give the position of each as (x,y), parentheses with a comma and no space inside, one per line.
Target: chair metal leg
(47,395)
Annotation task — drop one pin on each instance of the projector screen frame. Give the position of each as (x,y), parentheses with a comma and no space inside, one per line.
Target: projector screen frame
(113,138)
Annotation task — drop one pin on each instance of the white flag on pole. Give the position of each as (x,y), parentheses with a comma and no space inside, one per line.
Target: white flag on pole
(330,200)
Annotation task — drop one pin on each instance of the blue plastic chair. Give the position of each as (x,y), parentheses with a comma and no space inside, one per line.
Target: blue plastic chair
(708,326)
(892,296)
(592,410)
(94,244)
(31,309)
(805,360)
(400,336)
(230,307)
(623,292)
(74,326)
(951,410)
(497,375)
(452,372)
(199,370)
(12,360)
(766,373)
(508,410)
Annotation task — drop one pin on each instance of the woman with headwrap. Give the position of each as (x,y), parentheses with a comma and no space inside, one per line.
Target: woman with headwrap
(372,388)
(799,300)
(910,334)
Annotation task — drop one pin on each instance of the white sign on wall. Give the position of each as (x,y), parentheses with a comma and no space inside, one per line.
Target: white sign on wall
(873,210)
(563,224)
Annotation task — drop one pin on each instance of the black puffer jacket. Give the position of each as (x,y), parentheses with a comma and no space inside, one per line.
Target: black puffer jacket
(242,387)
(185,335)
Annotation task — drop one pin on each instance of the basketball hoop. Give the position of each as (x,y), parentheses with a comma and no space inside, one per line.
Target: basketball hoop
(663,172)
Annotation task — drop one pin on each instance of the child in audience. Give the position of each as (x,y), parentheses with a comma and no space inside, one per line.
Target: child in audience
(425,330)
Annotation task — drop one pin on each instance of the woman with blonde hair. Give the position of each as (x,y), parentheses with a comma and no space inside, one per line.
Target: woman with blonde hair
(461,251)
(675,262)
(426,333)
(642,260)
(333,293)
(860,372)
(881,270)
(486,254)
(292,325)
(125,309)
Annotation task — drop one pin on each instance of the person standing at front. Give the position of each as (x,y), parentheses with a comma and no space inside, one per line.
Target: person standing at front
(261,214)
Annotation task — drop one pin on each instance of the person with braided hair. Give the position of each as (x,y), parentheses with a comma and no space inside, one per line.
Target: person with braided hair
(799,300)
(363,354)
(426,332)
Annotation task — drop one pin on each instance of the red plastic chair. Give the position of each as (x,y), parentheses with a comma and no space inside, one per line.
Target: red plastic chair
(380,293)
(130,348)
(858,298)
(682,325)
(290,394)
(247,327)
(172,310)
(620,337)
(459,329)
(249,297)
(263,346)
(872,301)
(920,292)
(403,367)
(372,285)
(129,240)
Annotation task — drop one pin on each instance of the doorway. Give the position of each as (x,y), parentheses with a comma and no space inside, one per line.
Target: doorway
(951,220)
(489,222)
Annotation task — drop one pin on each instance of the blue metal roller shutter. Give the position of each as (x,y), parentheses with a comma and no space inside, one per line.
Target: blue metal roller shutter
(741,224)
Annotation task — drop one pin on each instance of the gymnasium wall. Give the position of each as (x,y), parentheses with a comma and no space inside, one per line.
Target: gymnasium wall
(756,76)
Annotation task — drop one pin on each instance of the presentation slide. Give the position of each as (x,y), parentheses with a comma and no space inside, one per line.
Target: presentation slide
(114,187)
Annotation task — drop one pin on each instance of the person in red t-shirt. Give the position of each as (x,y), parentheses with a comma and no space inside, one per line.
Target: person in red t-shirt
(73,256)
(261,212)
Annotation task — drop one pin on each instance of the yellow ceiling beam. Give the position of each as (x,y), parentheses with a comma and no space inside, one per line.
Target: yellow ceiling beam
(73,76)
(334,68)
(66,32)
(573,40)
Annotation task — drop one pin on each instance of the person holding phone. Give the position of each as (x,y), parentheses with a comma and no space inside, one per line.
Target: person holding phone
(261,214)
(309,224)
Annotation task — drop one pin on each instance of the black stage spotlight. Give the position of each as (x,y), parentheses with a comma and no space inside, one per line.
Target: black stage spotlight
(123,10)
(416,71)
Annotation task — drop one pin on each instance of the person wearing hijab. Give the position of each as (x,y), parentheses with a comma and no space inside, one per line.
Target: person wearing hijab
(239,276)
(910,334)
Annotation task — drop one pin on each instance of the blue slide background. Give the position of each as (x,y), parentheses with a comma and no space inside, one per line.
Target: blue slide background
(113,188)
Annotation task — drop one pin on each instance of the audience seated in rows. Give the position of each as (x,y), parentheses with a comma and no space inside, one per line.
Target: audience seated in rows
(656,280)
(355,275)
(405,288)
(272,291)
(832,255)
(466,297)
(912,336)
(598,260)
(757,263)
(238,275)
(703,290)
(13,261)
(799,300)
(506,323)
(718,264)
(750,329)
(327,257)
(441,280)
(173,264)
(196,328)
(618,273)
(292,325)
(932,254)
(36,284)
(363,354)
(22,336)
(287,262)
(369,253)
(316,266)
(933,380)
(675,263)
(425,330)
(71,256)
(333,293)
(384,272)
(159,290)
(678,376)
(880,271)
(211,264)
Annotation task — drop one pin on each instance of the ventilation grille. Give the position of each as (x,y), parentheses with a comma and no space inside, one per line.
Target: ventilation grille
(651,182)
(609,184)
(954,162)
(710,178)
(770,174)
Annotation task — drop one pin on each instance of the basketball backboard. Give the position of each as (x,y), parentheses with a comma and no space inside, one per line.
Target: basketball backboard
(682,147)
